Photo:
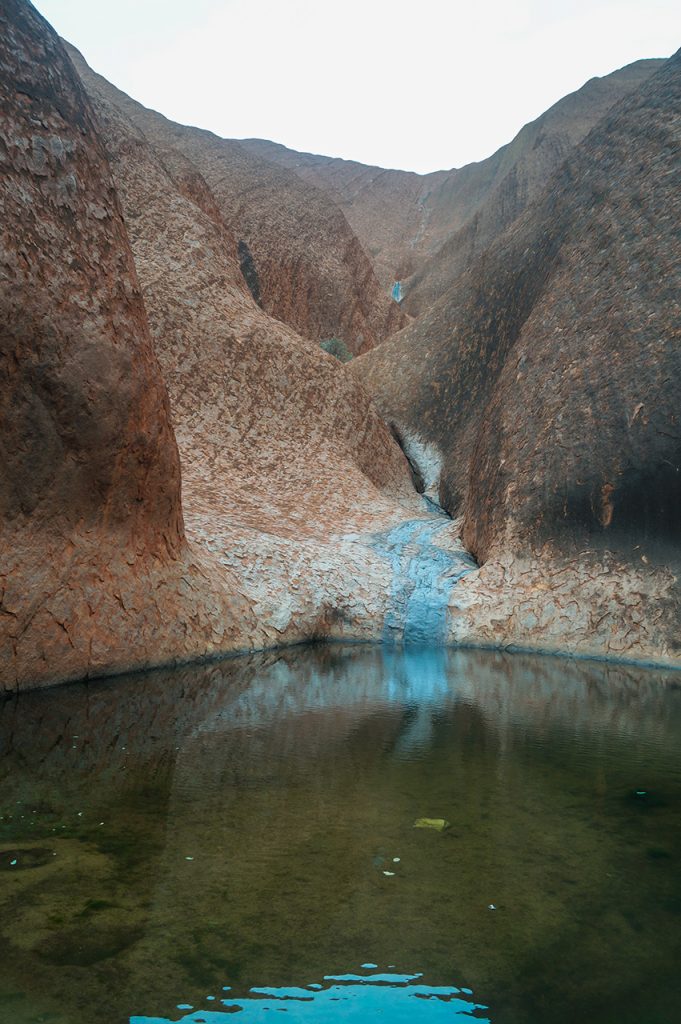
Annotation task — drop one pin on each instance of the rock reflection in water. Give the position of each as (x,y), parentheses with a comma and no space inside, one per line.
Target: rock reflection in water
(251,823)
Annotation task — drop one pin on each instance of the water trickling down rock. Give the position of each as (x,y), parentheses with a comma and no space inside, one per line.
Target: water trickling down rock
(423,576)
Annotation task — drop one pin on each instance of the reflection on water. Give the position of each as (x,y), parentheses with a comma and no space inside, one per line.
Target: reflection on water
(237,839)
(397,998)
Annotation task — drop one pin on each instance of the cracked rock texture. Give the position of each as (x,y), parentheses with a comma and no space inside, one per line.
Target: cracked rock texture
(283,455)
(282,452)
(162,294)
(548,380)
(95,573)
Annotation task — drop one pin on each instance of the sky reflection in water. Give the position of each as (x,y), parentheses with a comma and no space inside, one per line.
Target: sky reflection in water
(396,998)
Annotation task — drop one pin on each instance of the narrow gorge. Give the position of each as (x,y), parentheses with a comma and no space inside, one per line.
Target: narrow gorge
(170,321)
(340,532)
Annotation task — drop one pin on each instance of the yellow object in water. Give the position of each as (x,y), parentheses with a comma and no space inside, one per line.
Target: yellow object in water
(439,824)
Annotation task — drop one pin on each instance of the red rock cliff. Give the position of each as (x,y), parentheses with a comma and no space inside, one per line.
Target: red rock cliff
(93,564)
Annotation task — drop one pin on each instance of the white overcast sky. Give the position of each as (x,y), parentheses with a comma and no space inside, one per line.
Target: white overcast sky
(415,84)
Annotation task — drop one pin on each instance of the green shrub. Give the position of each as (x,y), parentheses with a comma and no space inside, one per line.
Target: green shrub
(336,347)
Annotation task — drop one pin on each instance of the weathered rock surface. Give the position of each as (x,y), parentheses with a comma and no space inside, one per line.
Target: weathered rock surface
(427,228)
(387,209)
(548,384)
(474,205)
(95,573)
(282,453)
(304,264)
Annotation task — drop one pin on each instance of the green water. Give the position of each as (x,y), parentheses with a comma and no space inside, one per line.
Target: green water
(220,843)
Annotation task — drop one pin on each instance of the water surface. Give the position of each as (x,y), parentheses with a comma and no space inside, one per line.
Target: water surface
(237,841)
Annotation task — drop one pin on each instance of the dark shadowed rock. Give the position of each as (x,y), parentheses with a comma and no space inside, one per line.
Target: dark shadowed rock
(474,205)
(387,209)
(549,377)
(540,395)
(282,451)
(84,410)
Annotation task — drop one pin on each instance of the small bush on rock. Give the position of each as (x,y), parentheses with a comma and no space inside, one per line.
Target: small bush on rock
(336,347)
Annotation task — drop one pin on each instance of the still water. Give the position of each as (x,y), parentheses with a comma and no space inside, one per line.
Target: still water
(238,842)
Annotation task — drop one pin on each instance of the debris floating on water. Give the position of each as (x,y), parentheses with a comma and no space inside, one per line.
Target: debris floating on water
(439,824)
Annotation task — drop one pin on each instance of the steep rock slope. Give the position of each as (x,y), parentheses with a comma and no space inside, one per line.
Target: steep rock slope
(95,573)
(300,258)
(281,449)
(548,380)
(427,228)
(387,209)
(274,435)
(474,205)
(300,516)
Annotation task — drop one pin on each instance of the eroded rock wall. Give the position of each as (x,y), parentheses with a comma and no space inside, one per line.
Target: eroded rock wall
(548,380)
(95,573)
(311,270)
(282,452)
(291,481)
(473,206)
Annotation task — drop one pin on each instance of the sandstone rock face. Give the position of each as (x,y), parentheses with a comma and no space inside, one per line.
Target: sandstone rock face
(282,451)
(94,568)
(308,267)
(387,209)
(283,455)
(73,319)
(299,518)
(548,382)
(474,205)
(570,323)
(427,228)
